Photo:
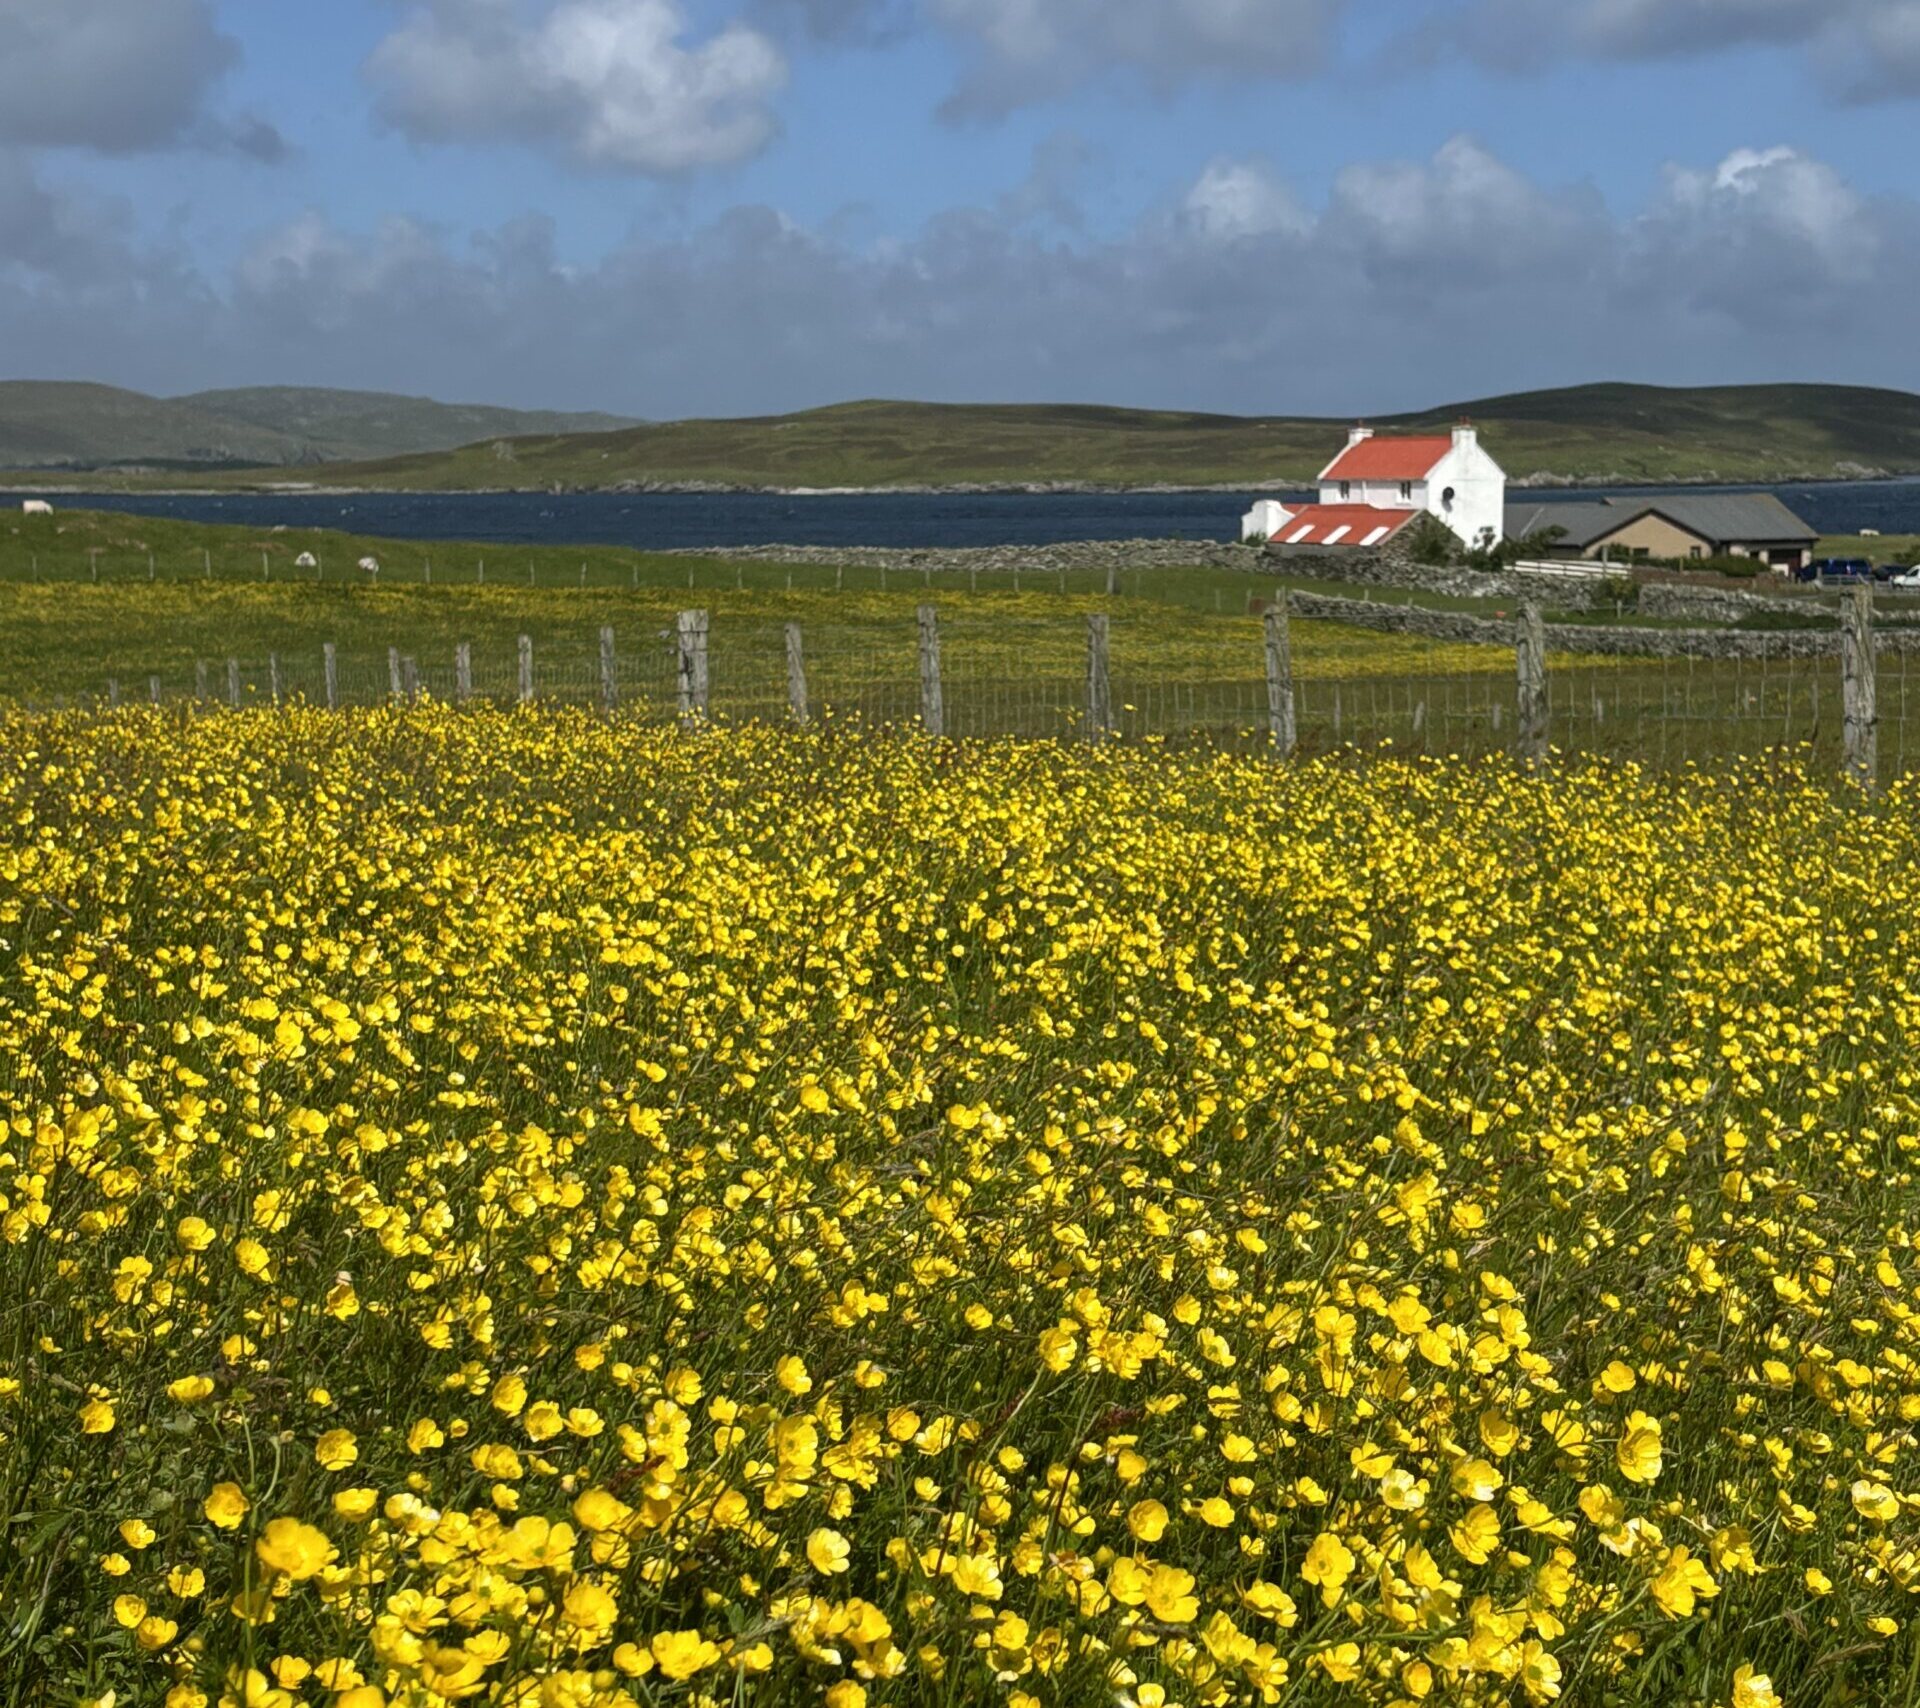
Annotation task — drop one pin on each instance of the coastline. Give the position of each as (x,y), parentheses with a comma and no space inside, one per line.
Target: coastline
(11,486)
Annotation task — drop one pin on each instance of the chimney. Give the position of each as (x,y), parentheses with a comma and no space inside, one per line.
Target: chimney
(1359,436)
(1465,438)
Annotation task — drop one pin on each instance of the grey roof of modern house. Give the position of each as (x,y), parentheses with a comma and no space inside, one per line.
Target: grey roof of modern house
(1579,524)
(1723,518)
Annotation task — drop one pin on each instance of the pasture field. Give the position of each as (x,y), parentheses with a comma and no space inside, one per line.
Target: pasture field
(525,1207)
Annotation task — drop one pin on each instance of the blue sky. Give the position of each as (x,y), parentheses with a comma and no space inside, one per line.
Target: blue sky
(680,207)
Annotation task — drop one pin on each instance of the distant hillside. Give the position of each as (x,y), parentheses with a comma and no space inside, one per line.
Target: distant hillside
(60,425)
(1612,434)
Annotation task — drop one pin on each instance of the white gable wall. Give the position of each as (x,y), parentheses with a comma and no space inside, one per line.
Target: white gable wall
(1478,510)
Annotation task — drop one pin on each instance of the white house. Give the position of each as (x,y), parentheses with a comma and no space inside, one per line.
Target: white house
(1377,485)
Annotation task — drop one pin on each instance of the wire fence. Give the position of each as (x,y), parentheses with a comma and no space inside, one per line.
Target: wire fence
(1227,684)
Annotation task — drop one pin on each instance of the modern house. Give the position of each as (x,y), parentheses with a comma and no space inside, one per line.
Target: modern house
(1380,483)
(1629,530)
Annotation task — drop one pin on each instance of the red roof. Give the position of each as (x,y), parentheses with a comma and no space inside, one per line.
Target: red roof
(1356,525)
(1389,459)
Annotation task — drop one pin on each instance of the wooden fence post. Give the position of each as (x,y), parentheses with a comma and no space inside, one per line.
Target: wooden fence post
(462,673)
(1281,719)
(199,678)
(526,670)
(1859,688)
(273,677)
(393,672)
(409,678)
(153,689)
(796,675)
(330,671)
(1530,725)
(609,687)
(233,683)
(113,693)
(691,631)
(1099,679)
(933,709)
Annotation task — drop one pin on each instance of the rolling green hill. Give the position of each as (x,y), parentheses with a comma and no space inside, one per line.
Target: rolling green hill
(60,425)
(1590,434)
(1593,434)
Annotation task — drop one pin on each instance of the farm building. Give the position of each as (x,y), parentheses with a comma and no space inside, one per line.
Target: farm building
(1380,483)
(1744,524)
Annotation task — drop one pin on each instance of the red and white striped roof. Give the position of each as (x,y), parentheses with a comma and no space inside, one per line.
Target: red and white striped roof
(1341,525)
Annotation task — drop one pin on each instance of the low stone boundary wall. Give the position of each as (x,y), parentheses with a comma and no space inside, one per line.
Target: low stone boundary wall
(1587,638)
(1073,556)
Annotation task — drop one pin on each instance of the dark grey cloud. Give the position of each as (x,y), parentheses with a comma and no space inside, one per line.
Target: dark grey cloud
(114,75)
(1026,50)
(1417,282)
(615,84)
(1859,49)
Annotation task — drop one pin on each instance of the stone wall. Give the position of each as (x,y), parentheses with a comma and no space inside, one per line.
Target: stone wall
(1393,567)
(1589,638)
(1073,556)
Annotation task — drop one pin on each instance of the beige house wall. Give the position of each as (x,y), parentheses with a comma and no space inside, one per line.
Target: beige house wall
(1653,535)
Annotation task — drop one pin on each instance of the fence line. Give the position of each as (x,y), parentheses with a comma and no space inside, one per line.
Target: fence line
(1167,681)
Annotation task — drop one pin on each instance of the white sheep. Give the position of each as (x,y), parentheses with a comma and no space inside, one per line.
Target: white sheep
(371,566)
(36,507)
(306,560)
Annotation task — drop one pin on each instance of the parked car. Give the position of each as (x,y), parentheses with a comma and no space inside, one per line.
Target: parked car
(1831,569)
(1908,577)
(1889,571)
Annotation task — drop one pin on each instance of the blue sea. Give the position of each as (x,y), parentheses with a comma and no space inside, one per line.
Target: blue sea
(677,521)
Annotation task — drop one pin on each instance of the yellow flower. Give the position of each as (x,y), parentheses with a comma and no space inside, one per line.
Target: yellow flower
(226,1506)
(1147,1519)
(1170,1597)
(1618,1378)
(336,1450)
(543,1420)
(128,1610)
(1753,1689)
(1817,1581)
(681,1654)
(1272,1601)
(356,1505)
(293,1549)
(509,1395)
(1638,1450)
(190,1389)
(590,1610)
(846,1693)
(1681,1580)
(96,1418)
(137,1533)
(1875,1501)
(791,1374)
(827,1550)
(977,1575)
(155,1632)
(1329,1563)
(1539,1673)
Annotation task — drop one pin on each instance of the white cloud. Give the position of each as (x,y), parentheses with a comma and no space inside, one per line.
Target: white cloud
(118,76)
(606,83)
(1242,198)
(1418,282)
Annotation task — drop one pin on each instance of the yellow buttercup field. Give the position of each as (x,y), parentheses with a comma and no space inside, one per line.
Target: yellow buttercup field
(524,1209)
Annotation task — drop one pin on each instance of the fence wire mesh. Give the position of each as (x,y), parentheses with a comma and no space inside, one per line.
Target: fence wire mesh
(1180,678)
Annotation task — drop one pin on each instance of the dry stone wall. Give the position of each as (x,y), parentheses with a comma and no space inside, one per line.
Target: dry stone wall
(1592,638)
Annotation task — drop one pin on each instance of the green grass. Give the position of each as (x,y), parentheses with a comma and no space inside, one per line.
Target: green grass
(1604,433)
(62,425)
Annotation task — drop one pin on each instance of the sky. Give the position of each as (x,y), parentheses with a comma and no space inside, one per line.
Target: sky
(673,208)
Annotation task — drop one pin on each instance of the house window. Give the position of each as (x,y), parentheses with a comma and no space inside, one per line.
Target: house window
(1698,551)
(1406,492)
(1346,490)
